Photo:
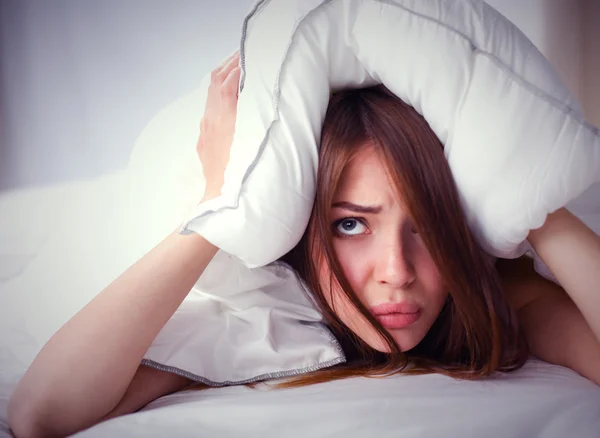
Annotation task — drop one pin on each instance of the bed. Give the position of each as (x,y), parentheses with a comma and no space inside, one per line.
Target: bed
(60,245)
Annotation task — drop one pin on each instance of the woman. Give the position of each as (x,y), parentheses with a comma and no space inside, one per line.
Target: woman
(396,272)
(395,268)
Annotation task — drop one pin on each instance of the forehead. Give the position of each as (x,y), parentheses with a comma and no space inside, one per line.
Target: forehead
(365,179)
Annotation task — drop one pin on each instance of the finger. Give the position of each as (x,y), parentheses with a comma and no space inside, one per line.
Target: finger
(227,62)
(231,83)
(231,64)
(219,74)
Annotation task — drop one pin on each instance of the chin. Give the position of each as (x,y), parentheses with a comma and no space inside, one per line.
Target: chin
(405,341)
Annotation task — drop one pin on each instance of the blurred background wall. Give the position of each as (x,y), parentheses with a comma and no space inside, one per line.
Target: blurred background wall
(567,32)
(80,79)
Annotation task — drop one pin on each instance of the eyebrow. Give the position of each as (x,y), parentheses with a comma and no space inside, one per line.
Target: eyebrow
(357,208)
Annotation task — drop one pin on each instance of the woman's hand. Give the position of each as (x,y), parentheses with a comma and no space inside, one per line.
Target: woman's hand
(218,124)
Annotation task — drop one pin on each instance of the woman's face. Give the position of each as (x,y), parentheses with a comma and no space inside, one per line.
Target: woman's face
(383,258)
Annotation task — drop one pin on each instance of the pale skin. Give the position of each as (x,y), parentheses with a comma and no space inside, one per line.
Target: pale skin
(53,397)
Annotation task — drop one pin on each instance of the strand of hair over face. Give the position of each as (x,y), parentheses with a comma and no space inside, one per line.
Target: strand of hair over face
(477,333)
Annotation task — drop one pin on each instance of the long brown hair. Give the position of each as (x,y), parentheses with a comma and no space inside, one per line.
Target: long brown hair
(476,333)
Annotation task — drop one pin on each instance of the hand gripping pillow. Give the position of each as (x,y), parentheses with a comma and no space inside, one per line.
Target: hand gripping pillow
(236,325)
(514,137)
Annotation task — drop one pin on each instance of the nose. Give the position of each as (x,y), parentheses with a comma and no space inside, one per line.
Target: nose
(393,267)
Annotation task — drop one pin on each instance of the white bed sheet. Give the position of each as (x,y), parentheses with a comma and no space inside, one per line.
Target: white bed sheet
(70,241)
(539,401)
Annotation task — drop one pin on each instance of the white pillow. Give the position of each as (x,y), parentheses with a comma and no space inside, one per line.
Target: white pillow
(515,138)
(241,325)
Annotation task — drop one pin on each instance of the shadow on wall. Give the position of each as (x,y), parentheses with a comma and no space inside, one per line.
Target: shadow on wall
(590,60)
(562,37)
(572,43)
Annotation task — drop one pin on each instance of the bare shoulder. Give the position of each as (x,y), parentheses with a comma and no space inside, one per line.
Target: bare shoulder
(147,385)
(522,284)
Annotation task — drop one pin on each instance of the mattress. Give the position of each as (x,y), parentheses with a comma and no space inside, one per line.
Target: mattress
(60,245)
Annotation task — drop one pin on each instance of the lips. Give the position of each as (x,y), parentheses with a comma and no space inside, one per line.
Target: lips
(386,308)
(398,320)
(396,315)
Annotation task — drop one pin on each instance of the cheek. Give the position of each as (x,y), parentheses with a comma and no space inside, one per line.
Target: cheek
(431,279)
(342,306)
(353,258)
(434,294)
(332,291)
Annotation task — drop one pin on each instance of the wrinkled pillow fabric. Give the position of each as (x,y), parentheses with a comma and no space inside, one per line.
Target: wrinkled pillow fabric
(515,138)
(241,325)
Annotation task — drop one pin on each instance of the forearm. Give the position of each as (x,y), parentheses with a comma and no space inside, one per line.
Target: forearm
(572,252)
(556,332)
(552,324)
(85,368)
